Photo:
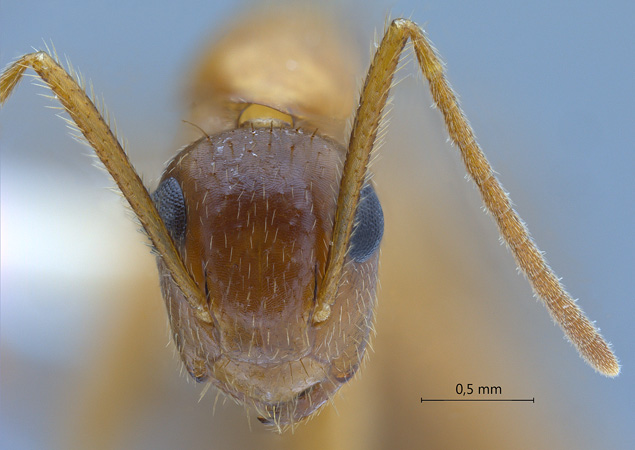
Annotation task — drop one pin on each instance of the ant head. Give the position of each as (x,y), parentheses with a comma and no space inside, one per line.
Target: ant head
(251,211)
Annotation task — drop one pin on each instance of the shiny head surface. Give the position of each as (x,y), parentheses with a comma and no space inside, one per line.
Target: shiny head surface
(259,206)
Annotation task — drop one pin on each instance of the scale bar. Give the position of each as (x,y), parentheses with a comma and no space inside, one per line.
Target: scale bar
(532,400)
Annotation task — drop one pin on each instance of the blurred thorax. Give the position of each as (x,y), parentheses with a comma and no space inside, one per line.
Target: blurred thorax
(295,61)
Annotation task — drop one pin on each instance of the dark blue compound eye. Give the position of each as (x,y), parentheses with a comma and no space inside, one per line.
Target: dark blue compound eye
(169,201)
(369,226)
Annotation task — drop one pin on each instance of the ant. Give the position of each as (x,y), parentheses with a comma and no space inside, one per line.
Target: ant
(267,231)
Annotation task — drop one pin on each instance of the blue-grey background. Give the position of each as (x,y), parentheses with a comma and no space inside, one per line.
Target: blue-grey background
(548,87)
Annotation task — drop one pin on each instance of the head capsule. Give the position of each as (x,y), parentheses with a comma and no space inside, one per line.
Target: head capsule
(259,206)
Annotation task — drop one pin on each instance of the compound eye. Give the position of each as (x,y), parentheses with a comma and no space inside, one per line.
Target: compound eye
(169,201)
(369,225)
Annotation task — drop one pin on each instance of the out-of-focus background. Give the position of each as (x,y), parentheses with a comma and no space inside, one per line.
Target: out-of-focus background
(548,87)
